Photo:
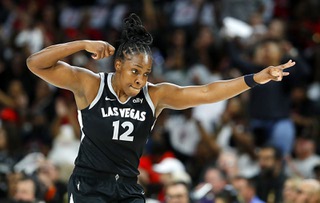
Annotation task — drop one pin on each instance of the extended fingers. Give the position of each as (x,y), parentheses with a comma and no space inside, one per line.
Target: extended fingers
(289,64)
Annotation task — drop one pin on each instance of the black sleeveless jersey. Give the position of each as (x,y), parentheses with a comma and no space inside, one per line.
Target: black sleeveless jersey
(113,133)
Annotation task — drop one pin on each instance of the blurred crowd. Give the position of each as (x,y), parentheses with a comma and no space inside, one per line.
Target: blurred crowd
(260,146)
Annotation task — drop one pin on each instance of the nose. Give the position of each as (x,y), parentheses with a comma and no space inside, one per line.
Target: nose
(139,80)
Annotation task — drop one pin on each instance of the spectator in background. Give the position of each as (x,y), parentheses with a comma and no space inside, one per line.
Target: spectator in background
(308,191)
(235,8)
(303,111)
(217,181)
(290,190)
(190,13)
(227,162)
(208,63)
(6,161)
(270,124)
(246,190)
(305,158)
(271,178)
(55,189)
(27,190)
(206,154)
(15,97)
(31,36)
(232,134)
(226,196)
(171,170)
(175,67)
(66,137)
(177,192)
(184,140)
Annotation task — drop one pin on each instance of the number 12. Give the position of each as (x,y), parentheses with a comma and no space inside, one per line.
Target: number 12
(124,136)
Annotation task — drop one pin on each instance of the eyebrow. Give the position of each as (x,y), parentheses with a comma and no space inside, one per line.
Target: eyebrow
(141,67)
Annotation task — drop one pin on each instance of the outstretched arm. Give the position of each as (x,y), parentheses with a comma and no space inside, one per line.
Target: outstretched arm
(48,65)
(167,95)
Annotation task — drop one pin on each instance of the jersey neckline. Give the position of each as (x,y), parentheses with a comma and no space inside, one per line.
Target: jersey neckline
(112,90)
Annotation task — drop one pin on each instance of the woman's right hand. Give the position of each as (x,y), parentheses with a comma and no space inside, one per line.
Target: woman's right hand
(99,49)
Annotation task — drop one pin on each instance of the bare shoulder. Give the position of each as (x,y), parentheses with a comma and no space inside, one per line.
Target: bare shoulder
(156,90)
(89,83)
(160,91)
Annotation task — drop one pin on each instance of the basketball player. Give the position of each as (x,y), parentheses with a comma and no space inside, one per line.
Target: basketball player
(117,111)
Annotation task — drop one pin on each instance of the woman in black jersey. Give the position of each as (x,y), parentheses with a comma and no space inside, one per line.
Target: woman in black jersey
(117,110)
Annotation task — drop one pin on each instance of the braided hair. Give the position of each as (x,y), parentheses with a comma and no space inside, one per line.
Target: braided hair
(135,39)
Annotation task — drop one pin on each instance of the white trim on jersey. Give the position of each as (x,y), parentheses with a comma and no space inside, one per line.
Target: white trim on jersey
(81,124)
(112,90)
(146,94)
(100,91)
(71,198)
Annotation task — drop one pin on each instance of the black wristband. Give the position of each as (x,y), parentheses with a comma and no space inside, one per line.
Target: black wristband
(250,81)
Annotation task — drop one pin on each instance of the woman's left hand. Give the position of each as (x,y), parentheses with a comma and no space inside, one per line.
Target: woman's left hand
(275,73)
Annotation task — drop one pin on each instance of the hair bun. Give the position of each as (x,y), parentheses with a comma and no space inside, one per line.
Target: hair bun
(134,31)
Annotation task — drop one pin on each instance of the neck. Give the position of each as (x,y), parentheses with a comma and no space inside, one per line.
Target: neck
(115,79)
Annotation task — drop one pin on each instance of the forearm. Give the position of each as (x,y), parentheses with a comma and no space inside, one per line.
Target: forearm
(225,89)
(51,55)
(177,97)
(230,88)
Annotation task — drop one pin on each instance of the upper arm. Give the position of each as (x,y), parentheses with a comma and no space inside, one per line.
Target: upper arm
(80,81)
(167,95)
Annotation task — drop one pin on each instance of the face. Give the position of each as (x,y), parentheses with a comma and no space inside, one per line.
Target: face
(267,159)
(177,194)
(268,53)
(134,72)
(165,178)
(303,147)
(308,191)
(244,190)
(303,194)
(289,191)
(25,191)
(213,177)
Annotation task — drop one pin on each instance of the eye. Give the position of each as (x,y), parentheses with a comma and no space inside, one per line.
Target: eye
(146,74)
(134,71)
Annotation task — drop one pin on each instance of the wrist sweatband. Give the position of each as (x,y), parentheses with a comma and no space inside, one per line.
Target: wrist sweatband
(250,81)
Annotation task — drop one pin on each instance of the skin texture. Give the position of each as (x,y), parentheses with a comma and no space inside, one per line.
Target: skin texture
(131,75)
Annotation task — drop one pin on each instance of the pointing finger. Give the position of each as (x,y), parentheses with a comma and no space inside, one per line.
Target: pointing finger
(289,64)
(285,73)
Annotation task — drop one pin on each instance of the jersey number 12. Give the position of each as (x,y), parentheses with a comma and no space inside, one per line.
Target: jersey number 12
(124,136)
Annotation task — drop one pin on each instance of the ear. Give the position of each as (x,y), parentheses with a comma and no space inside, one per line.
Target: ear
(118,65)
